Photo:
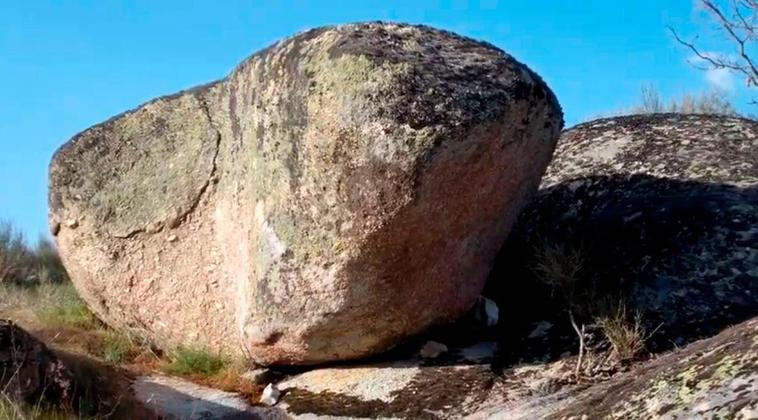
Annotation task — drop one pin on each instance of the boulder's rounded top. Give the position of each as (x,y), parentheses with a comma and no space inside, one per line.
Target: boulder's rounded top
(707,148)
(419,75)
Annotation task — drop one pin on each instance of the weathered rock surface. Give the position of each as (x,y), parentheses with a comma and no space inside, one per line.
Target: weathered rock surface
(712,378)
(664,209)
(339,191)
(29,372)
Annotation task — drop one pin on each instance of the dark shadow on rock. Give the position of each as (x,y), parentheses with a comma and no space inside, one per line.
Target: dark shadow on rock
(101,390)
(683,254)
(459,336)
(175,398)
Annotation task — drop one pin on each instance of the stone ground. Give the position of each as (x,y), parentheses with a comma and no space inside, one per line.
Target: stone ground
(715,377)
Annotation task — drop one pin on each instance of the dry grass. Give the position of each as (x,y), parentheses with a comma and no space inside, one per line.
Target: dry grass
(564,270)
(10,410)
(627,335)
(119,348)
(36,293)
(59,305)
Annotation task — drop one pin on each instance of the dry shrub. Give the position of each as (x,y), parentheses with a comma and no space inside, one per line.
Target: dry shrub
(25,265)
(559,267)
(15,255)
(707,102)
(627,335)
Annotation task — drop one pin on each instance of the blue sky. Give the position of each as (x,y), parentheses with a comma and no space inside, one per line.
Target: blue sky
(66,65)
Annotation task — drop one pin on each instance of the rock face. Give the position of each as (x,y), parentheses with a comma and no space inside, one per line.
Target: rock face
(664,209)
(339,191)
(29,372)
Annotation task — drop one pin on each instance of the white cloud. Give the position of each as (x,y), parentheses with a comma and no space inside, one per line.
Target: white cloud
(721,79)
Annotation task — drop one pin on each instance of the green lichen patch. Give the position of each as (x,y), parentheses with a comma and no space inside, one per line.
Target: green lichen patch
(141,171)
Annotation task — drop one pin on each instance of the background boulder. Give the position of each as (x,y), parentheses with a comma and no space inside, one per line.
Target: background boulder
(664,212)
(339,191)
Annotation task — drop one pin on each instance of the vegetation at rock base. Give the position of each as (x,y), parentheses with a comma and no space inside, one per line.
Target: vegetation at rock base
(12,411)
(564,270)
(119,348)
(626,335)
(195,361)
(59,305)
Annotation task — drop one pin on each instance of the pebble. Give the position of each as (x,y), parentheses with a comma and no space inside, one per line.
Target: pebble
(270,395)
(432,349)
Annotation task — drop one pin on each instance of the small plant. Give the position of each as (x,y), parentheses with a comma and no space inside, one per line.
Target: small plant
(558,266)
(626,335)
(118,348)
(195,361)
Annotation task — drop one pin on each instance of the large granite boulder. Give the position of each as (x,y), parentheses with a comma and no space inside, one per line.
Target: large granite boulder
(339,191)
(663,209)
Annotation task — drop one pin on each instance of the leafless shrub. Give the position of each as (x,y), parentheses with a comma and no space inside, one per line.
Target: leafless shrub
(708,102)
(15,256)
(24,265)
(559,266)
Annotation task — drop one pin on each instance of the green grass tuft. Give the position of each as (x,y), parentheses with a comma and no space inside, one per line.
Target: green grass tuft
(118,348)
(195,361)
(59,305)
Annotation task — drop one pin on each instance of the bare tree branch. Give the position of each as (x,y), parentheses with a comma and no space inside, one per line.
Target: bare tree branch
(740,27)
(751,71)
